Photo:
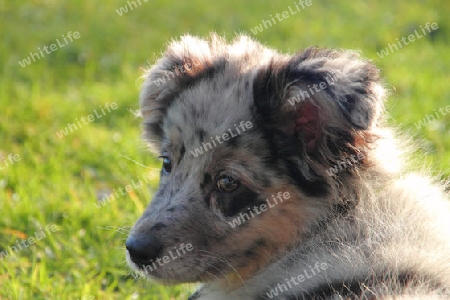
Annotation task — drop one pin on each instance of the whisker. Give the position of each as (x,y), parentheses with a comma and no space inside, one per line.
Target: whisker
(223,259)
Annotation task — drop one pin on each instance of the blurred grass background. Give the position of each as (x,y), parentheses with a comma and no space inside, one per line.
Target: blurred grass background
(58,180)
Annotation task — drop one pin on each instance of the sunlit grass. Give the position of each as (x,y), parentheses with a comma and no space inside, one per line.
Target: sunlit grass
(58,180)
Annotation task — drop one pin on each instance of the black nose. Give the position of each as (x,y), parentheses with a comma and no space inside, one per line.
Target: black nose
(143,250)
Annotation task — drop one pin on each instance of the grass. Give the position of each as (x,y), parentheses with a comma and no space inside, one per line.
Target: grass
(56,181)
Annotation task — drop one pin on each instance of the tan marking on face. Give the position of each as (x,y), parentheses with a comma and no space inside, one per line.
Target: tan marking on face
(280,226)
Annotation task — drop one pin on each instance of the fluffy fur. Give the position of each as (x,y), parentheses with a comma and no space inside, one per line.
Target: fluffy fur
(357,225)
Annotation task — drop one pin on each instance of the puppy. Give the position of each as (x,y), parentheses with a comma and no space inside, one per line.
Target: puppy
(280,180)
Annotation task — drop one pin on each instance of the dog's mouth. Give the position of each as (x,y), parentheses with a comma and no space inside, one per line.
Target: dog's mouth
(142,269)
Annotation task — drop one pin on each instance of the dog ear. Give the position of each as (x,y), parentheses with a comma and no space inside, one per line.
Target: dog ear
(330,100)
(183,62)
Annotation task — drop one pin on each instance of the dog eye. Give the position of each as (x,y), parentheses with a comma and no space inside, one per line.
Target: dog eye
(167,164)
(227,184)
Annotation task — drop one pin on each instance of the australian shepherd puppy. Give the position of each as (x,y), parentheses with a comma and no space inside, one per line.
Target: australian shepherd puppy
(280,180)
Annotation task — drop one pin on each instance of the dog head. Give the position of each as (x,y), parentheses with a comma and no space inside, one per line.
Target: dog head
(246,136)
